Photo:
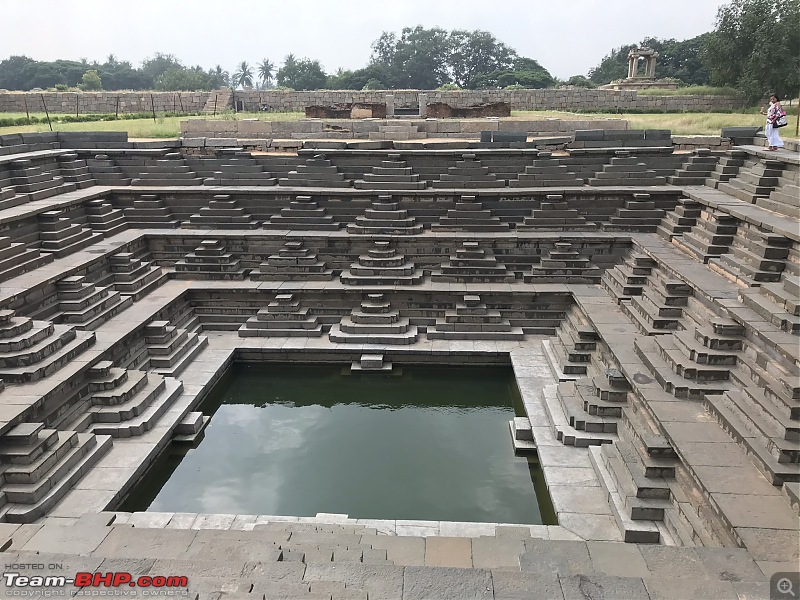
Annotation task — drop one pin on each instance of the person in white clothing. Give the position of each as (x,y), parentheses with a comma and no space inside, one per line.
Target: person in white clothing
(774,112)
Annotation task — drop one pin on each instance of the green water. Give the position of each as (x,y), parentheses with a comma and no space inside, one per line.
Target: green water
(432,443)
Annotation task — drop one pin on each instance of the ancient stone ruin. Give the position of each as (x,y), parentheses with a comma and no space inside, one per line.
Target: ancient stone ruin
(647,301)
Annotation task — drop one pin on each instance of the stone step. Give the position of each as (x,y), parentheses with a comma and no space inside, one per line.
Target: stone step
(32,472)
(94,448)
(148,418)
(49,358)
(132,405)
(71,457)
(174,364)
(641,532)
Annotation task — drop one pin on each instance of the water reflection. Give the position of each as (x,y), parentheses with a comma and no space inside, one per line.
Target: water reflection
(432,443)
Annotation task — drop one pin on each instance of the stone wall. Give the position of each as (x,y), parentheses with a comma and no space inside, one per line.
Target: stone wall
(355,129)
(550,99)
(103,102)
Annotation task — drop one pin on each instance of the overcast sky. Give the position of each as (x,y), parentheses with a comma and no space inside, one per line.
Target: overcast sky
(568,37)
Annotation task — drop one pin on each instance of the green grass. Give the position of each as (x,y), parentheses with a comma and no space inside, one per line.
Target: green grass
(678,123)
(163,127)
(169,126)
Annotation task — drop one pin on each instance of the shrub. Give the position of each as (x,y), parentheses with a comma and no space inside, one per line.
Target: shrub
(448,87)
(91,82)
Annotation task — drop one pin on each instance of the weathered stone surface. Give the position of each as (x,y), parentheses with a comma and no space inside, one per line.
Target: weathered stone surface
(446,583)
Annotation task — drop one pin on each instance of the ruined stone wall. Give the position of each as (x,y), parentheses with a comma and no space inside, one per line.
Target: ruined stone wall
(549,99)
(103,102)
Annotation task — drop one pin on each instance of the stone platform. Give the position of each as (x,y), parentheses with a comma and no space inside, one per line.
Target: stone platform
(651,323)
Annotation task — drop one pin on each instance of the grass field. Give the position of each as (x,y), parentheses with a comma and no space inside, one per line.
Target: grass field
(169,126)
(162,127)
(678,123)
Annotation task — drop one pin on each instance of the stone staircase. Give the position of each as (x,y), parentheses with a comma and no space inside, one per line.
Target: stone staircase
(316,558)
(696,170)
(711,237)
(168,171)
(761,410)
(134,278)
(231,167)
(755,179)
(776,303)
(40,465)
(639,214)
(755,257)
(74,170)
(546,171)
(626,170)
(16,258)
(468,173)
(82,304)
(785,198)
(638,474)
(59,235)
(626,280)
(293,262)
(31,350)
(374,322)
(317,171)
(105,171)
(392,174)
(382,266)
(124,403)
(726,168)
(473,320)
(210,260)
(555,215)
(105,219)
(36,182)
(679,221)
(561,264)
(169,349)
(218,101)
(469,215)
(149,212)
(302,213)
(283,317)
(473,264)
(385,217)
(659,307)
(221,213)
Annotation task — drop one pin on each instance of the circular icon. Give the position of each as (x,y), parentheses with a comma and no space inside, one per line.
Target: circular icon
(785,586)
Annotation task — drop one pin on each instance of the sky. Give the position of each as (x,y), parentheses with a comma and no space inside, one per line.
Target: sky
(567,37)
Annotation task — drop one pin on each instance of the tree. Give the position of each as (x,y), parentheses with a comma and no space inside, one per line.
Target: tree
(304,74)
(266,71)
(183,79)
(579,81)
(218,78)
(91,81)
(243,76)
(153,68)
(419,58)
(476,53)
(676,60)
(755,47)
(524,73)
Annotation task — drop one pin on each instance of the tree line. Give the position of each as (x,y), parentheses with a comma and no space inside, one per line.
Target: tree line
(753,48)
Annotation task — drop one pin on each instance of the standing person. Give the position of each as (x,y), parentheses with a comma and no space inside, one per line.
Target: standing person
(773,113)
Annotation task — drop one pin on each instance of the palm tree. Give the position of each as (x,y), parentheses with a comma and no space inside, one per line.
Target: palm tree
(266,70)
(243,75)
